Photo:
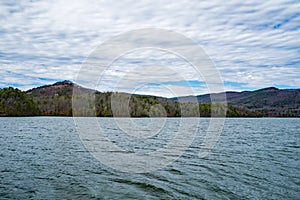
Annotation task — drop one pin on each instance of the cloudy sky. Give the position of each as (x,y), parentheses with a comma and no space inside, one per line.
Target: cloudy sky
(253,44)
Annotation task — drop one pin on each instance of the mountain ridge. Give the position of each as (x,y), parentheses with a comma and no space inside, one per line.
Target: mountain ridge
(56,100)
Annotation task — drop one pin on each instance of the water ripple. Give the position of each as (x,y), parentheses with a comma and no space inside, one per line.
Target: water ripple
(43,158)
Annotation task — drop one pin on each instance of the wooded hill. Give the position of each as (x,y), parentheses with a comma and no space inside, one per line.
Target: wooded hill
(269,102)
(56,100)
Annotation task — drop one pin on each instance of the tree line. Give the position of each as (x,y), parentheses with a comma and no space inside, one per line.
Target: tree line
(14,102)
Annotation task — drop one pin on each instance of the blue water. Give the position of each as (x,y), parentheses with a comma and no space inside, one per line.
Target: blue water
(44,158)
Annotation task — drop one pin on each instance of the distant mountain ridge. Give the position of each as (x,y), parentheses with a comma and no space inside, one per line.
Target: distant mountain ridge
(56,100)
(272,101)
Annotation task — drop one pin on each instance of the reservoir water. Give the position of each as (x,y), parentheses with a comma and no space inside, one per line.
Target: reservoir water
(44,158)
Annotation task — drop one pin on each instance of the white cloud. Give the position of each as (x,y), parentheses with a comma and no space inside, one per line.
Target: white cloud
(251,42)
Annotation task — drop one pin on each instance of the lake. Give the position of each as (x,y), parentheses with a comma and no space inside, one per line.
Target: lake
(44,158)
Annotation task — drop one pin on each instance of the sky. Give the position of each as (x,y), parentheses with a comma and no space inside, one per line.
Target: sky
(253,44)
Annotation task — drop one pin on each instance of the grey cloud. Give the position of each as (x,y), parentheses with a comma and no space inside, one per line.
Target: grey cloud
(240,37)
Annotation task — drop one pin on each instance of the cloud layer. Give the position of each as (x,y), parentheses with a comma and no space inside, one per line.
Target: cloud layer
(253,44)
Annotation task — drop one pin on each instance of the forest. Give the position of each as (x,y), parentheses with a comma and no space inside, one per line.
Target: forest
(59,99)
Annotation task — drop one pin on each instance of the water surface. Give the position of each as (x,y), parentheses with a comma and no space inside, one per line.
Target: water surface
(43,158)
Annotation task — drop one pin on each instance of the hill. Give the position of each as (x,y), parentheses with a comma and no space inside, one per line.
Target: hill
(14,102)
(56,100)
(270,102)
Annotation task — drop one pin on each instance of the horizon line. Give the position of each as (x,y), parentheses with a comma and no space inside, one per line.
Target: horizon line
(189,95)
